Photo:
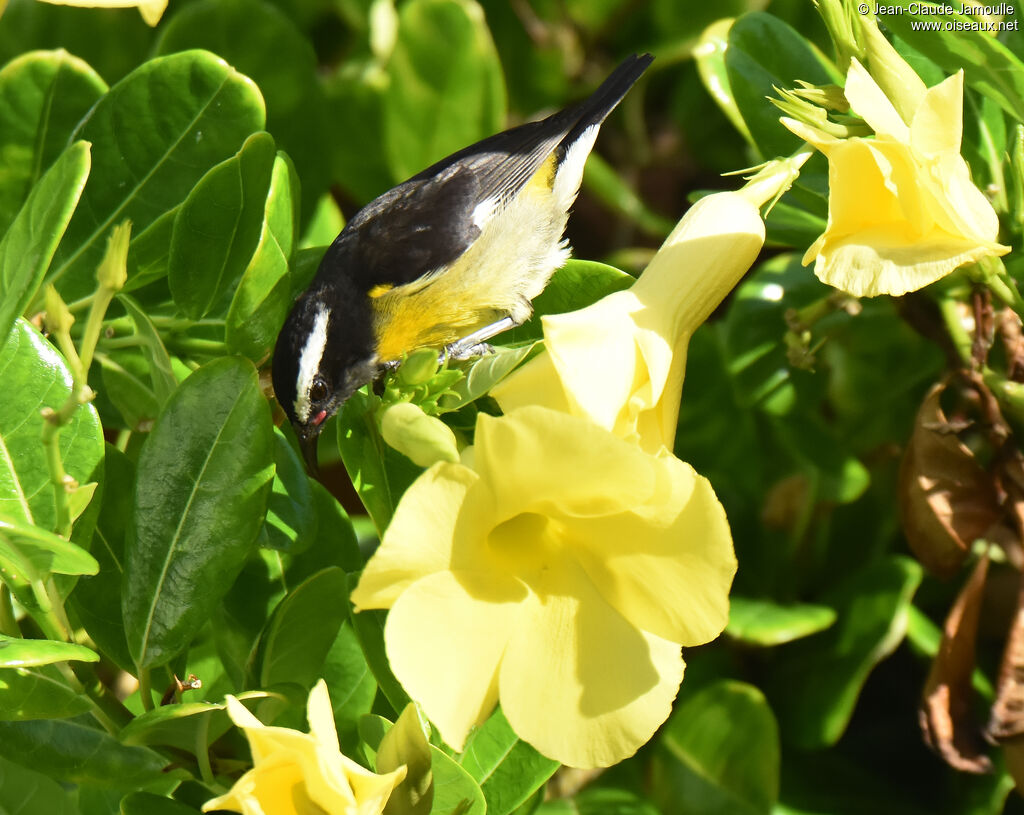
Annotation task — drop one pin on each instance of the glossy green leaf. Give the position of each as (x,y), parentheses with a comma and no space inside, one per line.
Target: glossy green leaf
(719,753)
(128,386)
(28,246)
(764,622)
(203,480)
(291,522)
(261,40)
(183,725)
(218,226)
(146,803)
(989,67)
(24,790)
(34,376)
(154,135)
(576,285)
(484,373)
(292,650)
(820,681)
(763,52)
(38,693)
(160,372)
(70,751)
(455,790)
(351,685)
(405,744)
(379,473)
(324,225)
(369,628)
(19,653)
(335,542)
(709,56)
(508,769)
(356,99)
(594,800)
(30,552)
(150,250)
(264,295)
(96,600)
(43,94)
(440,99)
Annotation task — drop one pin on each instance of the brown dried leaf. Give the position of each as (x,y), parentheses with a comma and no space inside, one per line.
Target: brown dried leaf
(947,500)
(1007,717)
(945,712)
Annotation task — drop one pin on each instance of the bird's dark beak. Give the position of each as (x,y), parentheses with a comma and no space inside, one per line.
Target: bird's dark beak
(309,435)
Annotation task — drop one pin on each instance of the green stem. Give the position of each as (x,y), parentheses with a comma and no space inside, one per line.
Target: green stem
(962,340)
(106,707)
(1002,286)
(145,689)
(203,749)
(197,345)
(58,476)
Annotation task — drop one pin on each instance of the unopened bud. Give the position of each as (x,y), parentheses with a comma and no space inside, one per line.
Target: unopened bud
(58,317)
(423,439)
(418,367)
(113,269)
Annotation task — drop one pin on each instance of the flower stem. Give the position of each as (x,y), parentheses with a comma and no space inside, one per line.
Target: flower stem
(8,623)
(145,689)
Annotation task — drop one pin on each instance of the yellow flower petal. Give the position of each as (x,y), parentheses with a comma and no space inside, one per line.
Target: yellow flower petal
(321,717)
(872,105)
(445,637)
(938,123)
(579,465)
(419,539)
(690,560)
(151,10)
(579,682)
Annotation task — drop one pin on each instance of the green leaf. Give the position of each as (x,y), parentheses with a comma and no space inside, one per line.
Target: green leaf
(218,226)
(484,373)
(325,224)
(455,791)
(146,803)
(38,693)
(31,552)
(43,94)
(764,622)
(127,384)
(23,790)
(35,376)
(264,295)
(160,372)
(762,53)
(356,100)
(96,600)
(594,800)
(989,66)
(262,42)
(19,653)
(293,650)
(291,522)
(369,628)
(379,473)
(440,99)
(710,59)
(154,135)
(182,725)
(719,753)
(28,246)
(819,682)
(508,769)
(351,685)
(405,744)
(71,752)
(204,475)
(576,285)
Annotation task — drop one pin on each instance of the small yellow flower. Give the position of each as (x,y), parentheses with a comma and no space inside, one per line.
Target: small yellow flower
(298,773)
(620,362)
(903,211)
(558,574)
(151,10)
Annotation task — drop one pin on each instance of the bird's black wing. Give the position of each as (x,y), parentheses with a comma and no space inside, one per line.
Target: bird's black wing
(427,222)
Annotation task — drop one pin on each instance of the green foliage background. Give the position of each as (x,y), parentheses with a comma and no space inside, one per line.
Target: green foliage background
(236,136)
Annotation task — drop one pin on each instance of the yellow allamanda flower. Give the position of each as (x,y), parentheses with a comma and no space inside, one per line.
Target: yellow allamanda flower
(557,570)
(297,773)
(903,211)
(151,10)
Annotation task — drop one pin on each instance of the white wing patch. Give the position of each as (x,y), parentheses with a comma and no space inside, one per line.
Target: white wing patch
(570,171)
(309,363)
(484,211)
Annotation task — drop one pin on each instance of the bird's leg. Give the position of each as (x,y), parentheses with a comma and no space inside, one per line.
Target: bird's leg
(475,344)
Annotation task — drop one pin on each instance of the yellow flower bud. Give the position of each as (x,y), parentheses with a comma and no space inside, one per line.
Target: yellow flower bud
(422,438)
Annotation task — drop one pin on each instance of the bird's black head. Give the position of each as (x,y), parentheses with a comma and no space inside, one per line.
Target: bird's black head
(324,353)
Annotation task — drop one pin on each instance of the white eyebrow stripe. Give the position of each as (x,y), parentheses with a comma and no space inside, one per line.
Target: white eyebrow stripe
(309,363)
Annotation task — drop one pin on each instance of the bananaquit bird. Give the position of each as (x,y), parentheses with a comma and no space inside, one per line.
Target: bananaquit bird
(453,255)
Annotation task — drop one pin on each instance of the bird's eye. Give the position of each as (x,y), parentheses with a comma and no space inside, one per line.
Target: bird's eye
(318,390)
